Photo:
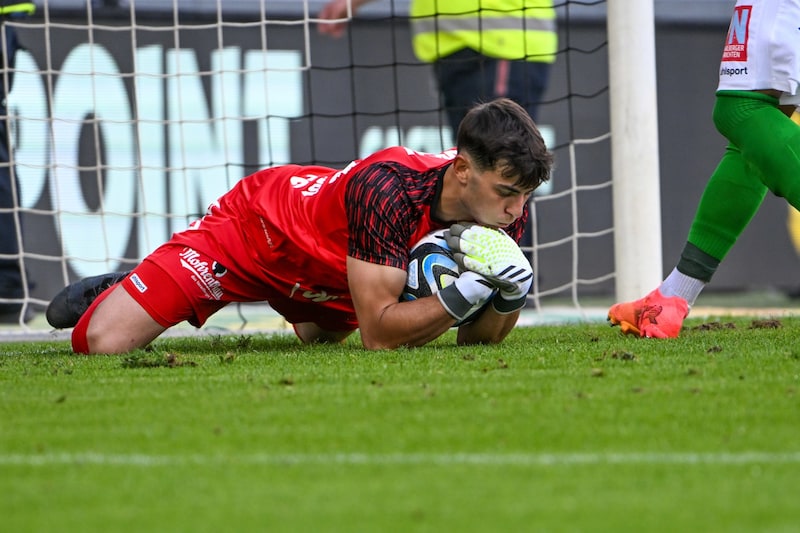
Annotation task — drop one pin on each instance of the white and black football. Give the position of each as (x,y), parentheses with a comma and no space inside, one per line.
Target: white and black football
(431,267)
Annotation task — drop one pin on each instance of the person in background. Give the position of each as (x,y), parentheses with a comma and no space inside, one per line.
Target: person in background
(756,96)
(479,49)
(12,278)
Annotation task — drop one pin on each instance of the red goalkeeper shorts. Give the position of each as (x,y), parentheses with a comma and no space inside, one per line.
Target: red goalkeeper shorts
(177,283)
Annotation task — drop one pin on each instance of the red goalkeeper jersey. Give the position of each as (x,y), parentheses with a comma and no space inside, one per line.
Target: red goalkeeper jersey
(293,226)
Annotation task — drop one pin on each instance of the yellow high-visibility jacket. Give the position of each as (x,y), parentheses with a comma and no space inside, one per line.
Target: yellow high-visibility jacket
(8,8)
(505,29)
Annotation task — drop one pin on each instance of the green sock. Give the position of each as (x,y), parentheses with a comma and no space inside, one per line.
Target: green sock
(730,199)
(763,154)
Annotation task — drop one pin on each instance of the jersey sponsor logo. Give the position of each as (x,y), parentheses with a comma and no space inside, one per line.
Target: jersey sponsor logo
(266,232)
(138,283)
(726,71)
(204,275)
(218,269)
(316,297)
(738,35)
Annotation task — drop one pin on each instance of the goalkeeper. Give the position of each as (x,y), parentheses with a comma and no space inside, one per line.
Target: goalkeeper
(328,249)
(757,94)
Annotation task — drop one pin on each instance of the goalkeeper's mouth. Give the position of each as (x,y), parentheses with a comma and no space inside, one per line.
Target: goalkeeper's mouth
(509,218)
(502,225)
(488,224)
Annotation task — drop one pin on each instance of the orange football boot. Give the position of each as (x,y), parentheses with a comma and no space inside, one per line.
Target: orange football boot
(655,315)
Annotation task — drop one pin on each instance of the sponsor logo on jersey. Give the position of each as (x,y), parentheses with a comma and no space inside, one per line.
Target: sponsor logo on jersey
(738,35)
(266,232)
(206,277)
(218,269)
(725,71)
(138,283)
(317,297)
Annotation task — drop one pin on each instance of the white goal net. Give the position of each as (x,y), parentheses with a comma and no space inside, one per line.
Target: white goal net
(129,117)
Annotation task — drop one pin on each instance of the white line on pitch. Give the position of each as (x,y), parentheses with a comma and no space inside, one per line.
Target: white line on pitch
(476,459)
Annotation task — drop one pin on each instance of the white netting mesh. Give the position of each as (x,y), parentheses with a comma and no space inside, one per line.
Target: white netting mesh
(129,118)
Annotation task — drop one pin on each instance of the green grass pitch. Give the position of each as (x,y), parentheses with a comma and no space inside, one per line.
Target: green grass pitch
(560,428)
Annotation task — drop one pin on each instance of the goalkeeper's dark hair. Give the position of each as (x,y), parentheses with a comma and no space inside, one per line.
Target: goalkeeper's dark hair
(501,135)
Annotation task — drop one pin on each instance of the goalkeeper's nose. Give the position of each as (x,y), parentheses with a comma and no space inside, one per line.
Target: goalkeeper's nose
(516,205)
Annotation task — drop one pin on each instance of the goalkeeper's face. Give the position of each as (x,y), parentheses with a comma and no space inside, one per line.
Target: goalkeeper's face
(493,199)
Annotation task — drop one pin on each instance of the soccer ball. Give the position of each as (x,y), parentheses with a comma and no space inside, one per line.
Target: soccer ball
(431,267)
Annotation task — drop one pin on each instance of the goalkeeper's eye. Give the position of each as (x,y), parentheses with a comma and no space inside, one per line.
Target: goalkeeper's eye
(507,191)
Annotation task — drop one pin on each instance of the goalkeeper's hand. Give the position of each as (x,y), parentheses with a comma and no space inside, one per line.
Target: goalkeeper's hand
(493,254)
(460,297)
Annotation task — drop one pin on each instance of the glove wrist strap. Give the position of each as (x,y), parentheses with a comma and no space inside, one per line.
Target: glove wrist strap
(505,307)
(454,302)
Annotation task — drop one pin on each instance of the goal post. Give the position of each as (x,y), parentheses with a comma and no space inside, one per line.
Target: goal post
(634,147)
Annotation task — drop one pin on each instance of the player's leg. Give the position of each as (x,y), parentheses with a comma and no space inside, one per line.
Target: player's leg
(763,155)
(729,201)
(527,82)
(310,333)
(731,198)
(768,138)
(115,323)
(67,307)
(314,322)
(464,79)
(133,312)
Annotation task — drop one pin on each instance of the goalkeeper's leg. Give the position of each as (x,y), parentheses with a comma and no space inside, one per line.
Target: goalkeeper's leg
(310,333)
(114,323)
(143,305)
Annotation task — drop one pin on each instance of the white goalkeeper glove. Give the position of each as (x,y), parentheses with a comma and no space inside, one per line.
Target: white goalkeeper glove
(459,298)
(493,254)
